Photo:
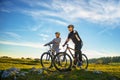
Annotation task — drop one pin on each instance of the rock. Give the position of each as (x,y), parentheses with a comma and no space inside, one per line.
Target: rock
(33,69)
(22,74)
(16,72)
(10,72)
(5,74)
(15,77)
(97,72)
(86,70)
(14,69)
(40,71)
(0,71)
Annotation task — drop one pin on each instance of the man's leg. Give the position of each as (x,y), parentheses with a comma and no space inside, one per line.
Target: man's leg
(78,51)
(80,55)
(81,45)
(75,59)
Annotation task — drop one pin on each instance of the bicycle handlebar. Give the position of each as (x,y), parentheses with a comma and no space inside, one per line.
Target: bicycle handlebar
(66,44)
(48,45)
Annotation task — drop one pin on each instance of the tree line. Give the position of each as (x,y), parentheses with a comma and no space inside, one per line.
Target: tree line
(105,60)
(102,60)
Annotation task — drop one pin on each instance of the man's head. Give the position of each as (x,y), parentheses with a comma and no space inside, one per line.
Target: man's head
(70,28)
(57,34)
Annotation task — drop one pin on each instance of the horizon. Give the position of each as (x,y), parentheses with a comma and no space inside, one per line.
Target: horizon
(26,25)
(39,58)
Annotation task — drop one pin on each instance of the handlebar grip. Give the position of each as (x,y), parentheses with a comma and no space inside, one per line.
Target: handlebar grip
(66,44)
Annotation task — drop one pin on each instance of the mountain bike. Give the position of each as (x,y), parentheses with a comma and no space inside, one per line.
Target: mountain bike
(66,60)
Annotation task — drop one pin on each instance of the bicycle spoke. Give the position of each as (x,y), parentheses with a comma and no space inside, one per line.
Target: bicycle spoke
(46,60)
(84,62)
(64,61)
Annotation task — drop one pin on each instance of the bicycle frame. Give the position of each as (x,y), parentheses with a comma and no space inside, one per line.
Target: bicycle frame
(69,49)
(66,59)
(51,51)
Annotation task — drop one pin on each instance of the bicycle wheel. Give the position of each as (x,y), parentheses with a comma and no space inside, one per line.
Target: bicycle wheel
(46,60)
(62,61)
(84,62)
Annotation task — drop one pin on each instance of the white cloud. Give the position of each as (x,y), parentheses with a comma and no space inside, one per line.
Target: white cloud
(13,35)
(101,12)
(5,10)
(57,21)
(98,54)
(35,28)
(44,35)
(96,11)
(28,44)
(105,31)
(34,3)
(46,16)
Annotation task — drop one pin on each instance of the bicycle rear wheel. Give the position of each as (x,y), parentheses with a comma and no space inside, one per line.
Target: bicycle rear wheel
(46,60)
(62,61)
(84,62)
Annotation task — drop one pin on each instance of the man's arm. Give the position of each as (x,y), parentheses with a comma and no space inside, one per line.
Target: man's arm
(67,40)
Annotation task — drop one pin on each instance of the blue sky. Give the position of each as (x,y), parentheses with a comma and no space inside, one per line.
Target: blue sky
(25,25)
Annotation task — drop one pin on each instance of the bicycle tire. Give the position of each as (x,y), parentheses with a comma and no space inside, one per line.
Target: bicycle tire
(42,59)
(86,61)
(64,55)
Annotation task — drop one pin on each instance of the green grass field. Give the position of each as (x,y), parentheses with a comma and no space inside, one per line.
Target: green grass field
(109,72)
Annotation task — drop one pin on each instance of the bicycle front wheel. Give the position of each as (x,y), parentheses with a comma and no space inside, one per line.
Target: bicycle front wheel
(62,61)
(46,60)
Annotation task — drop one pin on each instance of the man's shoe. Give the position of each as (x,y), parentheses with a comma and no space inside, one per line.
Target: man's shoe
(79,64)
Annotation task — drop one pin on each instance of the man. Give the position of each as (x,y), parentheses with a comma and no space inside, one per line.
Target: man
(74,36)
(56,42)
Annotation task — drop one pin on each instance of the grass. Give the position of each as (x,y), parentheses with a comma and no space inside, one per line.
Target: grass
(109,72)
(18,63)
